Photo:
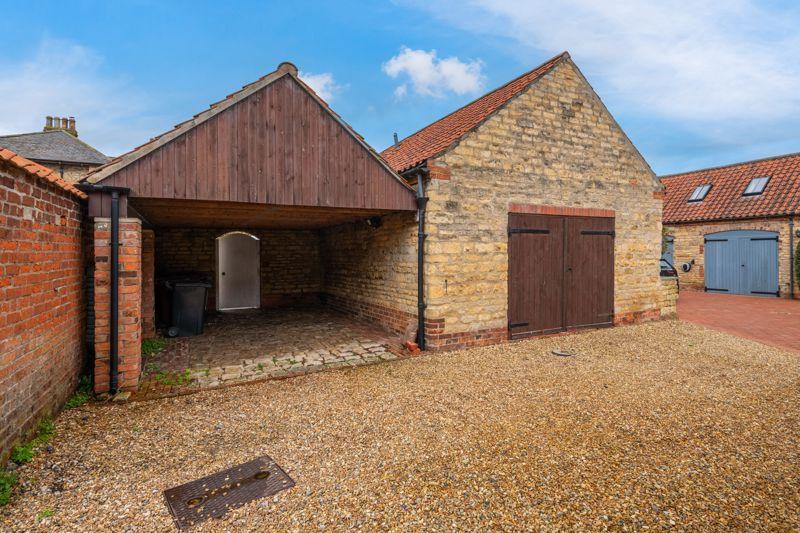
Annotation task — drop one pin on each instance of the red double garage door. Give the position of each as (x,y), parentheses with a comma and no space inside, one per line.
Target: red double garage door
(560,273)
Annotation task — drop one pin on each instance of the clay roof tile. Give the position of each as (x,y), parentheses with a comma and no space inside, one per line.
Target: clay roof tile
(440,135)
(725,200)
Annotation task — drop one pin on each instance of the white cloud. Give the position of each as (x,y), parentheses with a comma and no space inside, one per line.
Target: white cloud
(700,62)
(430,76)
(64,78)
(401,91)
(323,84)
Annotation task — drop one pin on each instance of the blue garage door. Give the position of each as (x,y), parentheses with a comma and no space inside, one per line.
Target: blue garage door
(742,262)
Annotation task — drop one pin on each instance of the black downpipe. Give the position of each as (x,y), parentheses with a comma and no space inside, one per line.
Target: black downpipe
(114,333)
(422,201)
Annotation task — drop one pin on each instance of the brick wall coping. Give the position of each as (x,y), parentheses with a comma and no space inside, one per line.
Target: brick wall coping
(535,209)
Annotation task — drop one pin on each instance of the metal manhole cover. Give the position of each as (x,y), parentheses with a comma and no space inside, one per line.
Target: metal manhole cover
(215,495)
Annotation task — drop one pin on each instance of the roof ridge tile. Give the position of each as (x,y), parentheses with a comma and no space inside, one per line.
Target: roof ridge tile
(39,171)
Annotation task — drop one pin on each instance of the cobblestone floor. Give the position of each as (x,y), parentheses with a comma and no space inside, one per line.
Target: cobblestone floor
(239,346)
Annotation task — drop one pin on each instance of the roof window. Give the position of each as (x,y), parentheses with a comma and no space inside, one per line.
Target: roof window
(756,186)
(699,193)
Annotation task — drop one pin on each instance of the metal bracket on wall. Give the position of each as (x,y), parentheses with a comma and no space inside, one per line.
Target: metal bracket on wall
(598,232)
(528,231)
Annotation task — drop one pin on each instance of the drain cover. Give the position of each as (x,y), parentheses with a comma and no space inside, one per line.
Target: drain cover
(214,495)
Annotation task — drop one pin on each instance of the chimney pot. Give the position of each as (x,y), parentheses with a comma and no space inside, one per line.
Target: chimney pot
(48,122)
(396,141)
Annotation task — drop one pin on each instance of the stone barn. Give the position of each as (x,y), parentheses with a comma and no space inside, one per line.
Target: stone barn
(542,215)
(525,212)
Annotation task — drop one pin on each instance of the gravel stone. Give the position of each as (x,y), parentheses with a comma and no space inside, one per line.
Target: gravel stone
(658,426)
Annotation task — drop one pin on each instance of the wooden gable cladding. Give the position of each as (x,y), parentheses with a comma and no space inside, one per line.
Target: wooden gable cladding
(277,146)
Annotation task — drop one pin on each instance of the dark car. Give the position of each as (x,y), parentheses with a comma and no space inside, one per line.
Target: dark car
(667,269)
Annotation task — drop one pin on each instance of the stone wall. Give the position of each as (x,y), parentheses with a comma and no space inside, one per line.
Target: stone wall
(371,272)
(689,246)
(129,335)
(41,301)
(73,173)
(553,145)
(290,261)
(669,297)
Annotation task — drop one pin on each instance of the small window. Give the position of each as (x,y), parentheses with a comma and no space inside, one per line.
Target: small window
(699,193)
(756,186)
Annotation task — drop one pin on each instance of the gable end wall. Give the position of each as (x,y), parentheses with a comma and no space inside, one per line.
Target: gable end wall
(554,145)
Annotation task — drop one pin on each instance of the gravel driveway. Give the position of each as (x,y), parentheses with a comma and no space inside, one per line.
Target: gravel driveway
(665,424)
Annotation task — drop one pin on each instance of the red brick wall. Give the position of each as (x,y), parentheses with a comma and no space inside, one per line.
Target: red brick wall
(41,301)
(437,339)
(392,319)
(290,264)
(130,303)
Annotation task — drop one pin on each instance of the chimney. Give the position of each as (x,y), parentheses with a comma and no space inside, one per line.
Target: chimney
(396,142)
(66,124)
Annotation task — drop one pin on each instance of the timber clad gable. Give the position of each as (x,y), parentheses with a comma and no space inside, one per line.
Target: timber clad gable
(279,145)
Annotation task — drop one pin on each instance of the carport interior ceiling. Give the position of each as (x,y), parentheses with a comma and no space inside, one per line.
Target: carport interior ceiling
(271,155)
(229,215)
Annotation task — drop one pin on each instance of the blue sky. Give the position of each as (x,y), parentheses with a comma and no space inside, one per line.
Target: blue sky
(694,84)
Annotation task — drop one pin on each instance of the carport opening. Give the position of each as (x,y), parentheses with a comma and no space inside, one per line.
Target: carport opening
(313,295)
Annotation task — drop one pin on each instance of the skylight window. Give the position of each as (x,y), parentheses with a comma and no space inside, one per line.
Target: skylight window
(699,193)
(756,186)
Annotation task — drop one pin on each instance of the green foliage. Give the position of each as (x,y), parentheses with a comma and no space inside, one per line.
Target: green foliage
(174,378)
(7,482)
(797,263)
(151,346)
(44,513)
(82,394)
(24,453)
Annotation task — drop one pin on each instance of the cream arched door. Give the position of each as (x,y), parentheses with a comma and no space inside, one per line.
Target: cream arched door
(238,269)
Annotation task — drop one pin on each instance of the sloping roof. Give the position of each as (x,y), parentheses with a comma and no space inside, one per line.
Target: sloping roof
(435,138)
(53,146)
(284,69)
(725,199)
(38,171)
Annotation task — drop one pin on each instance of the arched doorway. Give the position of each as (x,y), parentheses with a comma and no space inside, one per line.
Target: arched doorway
(238,271)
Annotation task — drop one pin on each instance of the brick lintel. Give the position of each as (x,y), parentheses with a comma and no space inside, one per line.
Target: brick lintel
(536,209)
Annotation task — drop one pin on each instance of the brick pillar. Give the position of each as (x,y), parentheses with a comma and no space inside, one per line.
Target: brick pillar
(148,284)
(130,303)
